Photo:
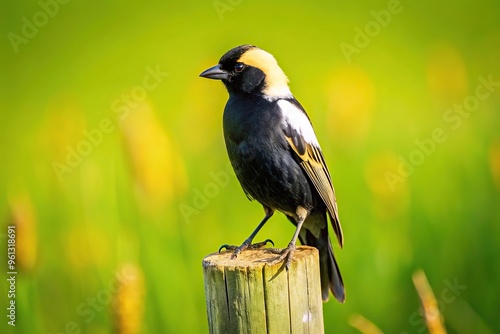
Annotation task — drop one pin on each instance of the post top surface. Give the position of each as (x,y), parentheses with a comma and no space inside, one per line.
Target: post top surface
(254,258)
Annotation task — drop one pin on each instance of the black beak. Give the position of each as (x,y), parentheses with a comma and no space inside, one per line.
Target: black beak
(214,73)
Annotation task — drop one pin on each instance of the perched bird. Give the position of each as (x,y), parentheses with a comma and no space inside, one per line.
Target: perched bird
(276,157)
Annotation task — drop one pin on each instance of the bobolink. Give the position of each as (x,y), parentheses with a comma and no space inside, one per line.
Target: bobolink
(276,157)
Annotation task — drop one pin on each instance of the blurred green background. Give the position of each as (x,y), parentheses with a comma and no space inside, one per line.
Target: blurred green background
(114,170)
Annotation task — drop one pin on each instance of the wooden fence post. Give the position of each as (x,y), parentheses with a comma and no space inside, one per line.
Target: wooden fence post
(244,295)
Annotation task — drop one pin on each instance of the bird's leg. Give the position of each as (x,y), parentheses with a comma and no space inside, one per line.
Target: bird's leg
(287,253)
(248,242)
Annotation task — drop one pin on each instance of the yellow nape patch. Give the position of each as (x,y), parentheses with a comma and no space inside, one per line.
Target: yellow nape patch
(276,80)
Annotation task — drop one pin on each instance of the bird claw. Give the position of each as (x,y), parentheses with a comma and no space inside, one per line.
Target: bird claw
(285,255)
(227,247)
(261,244)
(243,246)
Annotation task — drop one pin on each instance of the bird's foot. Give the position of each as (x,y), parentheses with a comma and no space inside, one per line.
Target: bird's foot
(285,255)
(247,244)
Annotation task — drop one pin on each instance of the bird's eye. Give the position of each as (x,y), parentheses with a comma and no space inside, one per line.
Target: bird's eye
(239,67)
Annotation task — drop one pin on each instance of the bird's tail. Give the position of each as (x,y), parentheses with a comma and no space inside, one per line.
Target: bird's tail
(329,270)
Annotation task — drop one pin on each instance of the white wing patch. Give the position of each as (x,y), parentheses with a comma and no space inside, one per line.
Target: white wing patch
(298,120)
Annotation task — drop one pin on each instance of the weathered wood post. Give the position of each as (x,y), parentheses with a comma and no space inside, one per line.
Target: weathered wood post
(245,295)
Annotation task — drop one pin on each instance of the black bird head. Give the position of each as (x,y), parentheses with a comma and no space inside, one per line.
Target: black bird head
(246,69)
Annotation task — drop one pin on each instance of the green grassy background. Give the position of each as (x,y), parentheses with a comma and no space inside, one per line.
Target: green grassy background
(135,197)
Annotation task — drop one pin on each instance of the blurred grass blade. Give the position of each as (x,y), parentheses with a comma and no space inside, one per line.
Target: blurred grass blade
(129,300)
(157,168)
(432,315)
(24,219)
(363,325)
(495,161)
